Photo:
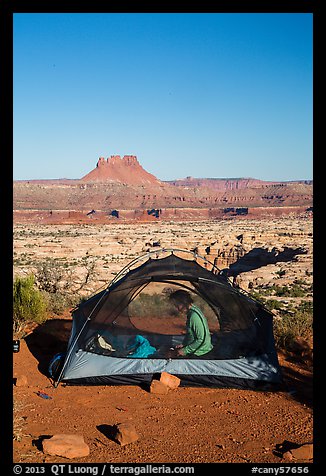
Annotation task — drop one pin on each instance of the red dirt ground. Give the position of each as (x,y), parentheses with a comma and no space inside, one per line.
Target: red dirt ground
(188,425)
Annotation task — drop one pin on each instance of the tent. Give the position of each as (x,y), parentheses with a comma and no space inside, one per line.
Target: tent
(124,334)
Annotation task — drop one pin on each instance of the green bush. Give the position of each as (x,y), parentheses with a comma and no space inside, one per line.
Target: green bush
(274,304)
(286,291)
(306,306)
(28,303)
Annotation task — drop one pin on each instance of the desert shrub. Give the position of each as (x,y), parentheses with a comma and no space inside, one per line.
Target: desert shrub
(257,295)
(293,291)
(294,320)
(50,276)
(158,305)
(274,304)
(297,289)
(59,285)
(29,304)
(149,305)
(289,327)
(280,272)
(59,301)
(306,306)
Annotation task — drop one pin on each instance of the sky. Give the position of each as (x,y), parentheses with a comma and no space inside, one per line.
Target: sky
(207,95)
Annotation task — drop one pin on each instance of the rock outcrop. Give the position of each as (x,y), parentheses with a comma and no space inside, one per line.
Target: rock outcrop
(229,183)
(220,183)
(116,169)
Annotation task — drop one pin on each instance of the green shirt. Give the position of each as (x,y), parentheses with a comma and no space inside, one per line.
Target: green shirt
(198,339)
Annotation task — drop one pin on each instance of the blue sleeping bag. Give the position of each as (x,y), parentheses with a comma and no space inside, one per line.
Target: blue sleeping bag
(140,348)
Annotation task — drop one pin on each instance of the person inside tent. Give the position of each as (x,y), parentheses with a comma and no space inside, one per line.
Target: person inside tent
(197,341)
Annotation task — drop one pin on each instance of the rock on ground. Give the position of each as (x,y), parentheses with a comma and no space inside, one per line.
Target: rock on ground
(67,446)
(125,433)
(21,381)
(169,380)
(303,452)
(158,387)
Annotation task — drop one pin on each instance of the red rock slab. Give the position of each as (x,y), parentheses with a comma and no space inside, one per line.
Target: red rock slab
(67,446)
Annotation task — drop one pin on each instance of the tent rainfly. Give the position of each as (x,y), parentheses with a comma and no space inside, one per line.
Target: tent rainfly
(126,333)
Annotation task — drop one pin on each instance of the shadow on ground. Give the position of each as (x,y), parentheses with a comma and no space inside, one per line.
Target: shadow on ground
(109,431)
(283,447)
(299,383)
(47,340)
(259,257)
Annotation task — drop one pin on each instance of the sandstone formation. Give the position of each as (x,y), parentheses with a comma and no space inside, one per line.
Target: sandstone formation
(120,188)
(272,250)
(116,169)
(229,183)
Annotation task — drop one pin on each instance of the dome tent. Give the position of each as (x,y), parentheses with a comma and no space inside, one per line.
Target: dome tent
(124,334)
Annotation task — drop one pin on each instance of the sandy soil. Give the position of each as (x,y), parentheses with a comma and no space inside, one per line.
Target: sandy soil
(188,425)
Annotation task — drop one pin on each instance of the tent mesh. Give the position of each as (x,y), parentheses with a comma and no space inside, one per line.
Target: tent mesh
(136,310)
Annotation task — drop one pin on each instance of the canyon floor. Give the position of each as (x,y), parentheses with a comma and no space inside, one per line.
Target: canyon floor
(188,425)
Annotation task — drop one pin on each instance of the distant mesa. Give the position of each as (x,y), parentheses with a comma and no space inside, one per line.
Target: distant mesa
(116,169)
(221,183)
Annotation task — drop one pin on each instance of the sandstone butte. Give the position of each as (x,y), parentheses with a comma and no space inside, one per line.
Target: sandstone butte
(125,170)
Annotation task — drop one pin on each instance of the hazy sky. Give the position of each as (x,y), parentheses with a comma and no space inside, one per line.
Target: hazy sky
(190,94)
